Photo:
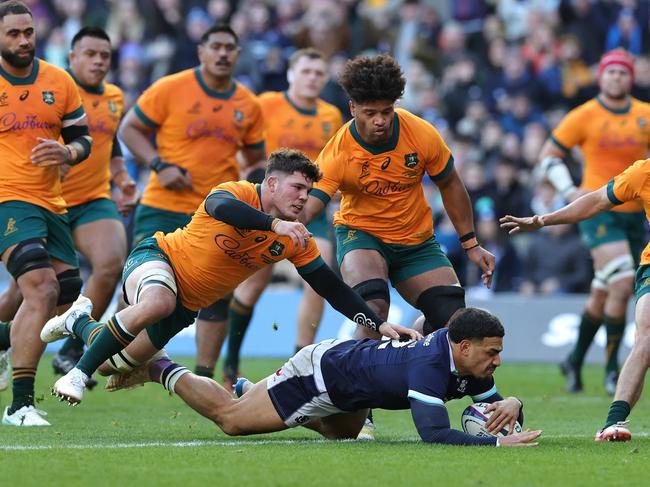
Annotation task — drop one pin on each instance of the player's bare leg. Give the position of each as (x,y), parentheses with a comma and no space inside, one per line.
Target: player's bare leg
(345,426)
(10,301)
(210,336)
(359,266)
(630,382)
(252,413)
(310,309)
(239,316)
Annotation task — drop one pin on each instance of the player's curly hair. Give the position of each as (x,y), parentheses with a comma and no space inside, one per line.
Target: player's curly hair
(13,7)
(377,78)
(474,324)
(291,160)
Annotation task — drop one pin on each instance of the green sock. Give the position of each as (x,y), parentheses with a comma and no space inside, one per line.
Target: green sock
(5,329)
(23,388)
(615,328)
(239,317)
(86,329)
(588,328)
(618,411)
(72,346)
(111,339)
(204,371)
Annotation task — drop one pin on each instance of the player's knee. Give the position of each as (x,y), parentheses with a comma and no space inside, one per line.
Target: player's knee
(217,311)
(69,286)
(617,275)
(27,256)
(621,289)
(109,267)
(439,303)
(376,293)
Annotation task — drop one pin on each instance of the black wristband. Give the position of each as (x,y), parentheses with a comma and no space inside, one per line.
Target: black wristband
(157,164)
(466,237)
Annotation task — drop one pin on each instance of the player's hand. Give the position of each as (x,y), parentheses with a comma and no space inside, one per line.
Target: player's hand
(525,224)
(296,230)
(397,331)
(64,169)
(50,153)
(485,261)
(127,197)
(504,413)
(175,178)
(524,438)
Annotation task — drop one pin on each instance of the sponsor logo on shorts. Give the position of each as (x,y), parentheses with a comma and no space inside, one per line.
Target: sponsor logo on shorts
(645,283)
(411,160)
(352,235)
(11,227)
(301,419)
(48,97)
(601,231)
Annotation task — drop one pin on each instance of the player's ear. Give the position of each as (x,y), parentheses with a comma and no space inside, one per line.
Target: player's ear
(272,183)
(290,76)
(352,108)
(465,347)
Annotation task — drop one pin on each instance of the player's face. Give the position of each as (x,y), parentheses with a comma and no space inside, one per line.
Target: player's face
(616,82)
(17,40)
(374,120)
(90,60)
(308,77)
(481,357)
(219,54)
(290,192)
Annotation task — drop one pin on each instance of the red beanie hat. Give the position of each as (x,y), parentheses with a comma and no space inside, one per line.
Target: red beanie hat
(617,57)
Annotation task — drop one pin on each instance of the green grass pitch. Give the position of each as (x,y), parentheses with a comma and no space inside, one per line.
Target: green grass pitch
(144,437)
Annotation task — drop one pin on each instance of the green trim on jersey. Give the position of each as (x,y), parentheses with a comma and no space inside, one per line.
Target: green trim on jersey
(225,95)
(559,144)
(143,118)
(78,113)
(445,172)
(317,263)
(615,111)
(320,194)
(610,194)
(310,112)
(377,149)
(95,90)
(29,80)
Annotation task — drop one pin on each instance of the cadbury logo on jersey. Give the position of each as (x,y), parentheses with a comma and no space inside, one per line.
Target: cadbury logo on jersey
(10,121)
(230,247)
(48,97)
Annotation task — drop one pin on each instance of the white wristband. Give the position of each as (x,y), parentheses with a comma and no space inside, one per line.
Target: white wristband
(498,444)
(558,175)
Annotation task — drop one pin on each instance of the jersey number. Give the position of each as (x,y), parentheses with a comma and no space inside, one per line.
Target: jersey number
(396,344)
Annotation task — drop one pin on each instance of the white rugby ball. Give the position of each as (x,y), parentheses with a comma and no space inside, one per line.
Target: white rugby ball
(474,418)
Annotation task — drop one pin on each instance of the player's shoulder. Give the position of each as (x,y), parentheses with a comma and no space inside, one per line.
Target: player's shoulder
(111,90)
(238,188)
(641,107)
(52,73)
(242,92)
(173,81)
(271,96)
(326,108)
(410,121)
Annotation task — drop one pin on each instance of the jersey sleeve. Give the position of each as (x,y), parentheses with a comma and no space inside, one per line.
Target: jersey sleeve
(152,108)
(439,161)
(254,136)
(480,389)
(628,185)
(427,384)
(73,110)
(332,163)
(570,131)
(308,259)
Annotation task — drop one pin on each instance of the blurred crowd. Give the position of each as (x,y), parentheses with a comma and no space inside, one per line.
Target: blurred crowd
(493,76)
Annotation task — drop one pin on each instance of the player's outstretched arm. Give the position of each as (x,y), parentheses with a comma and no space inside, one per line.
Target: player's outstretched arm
(347,302)
(459,209)
(583,208)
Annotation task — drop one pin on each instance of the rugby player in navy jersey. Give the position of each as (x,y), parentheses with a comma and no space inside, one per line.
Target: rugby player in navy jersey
(329,386)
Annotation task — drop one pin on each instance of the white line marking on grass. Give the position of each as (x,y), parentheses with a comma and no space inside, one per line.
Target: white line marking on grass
(204,443)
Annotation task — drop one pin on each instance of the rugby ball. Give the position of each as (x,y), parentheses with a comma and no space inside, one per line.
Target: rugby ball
(474,418)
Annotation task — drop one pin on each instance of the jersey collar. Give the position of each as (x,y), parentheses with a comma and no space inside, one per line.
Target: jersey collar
(616,111)
(258,189)
(376,149)
(452,365)
(311,112)
(221,95)
(29,80)
(95,90)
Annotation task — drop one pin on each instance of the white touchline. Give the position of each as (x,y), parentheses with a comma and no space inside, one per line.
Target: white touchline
(204,443)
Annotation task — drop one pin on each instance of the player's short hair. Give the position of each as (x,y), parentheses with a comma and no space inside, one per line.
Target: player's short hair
(308,52)
(377,78)
(13,7)
(474,324)
(291,160)
(91,31)
(216,29)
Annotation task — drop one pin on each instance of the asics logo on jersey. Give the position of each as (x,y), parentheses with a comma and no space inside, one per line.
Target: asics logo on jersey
(11,227)
(23,96)
(385,164)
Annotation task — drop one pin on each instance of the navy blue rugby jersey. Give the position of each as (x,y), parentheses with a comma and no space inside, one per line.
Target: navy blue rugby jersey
(387,374)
